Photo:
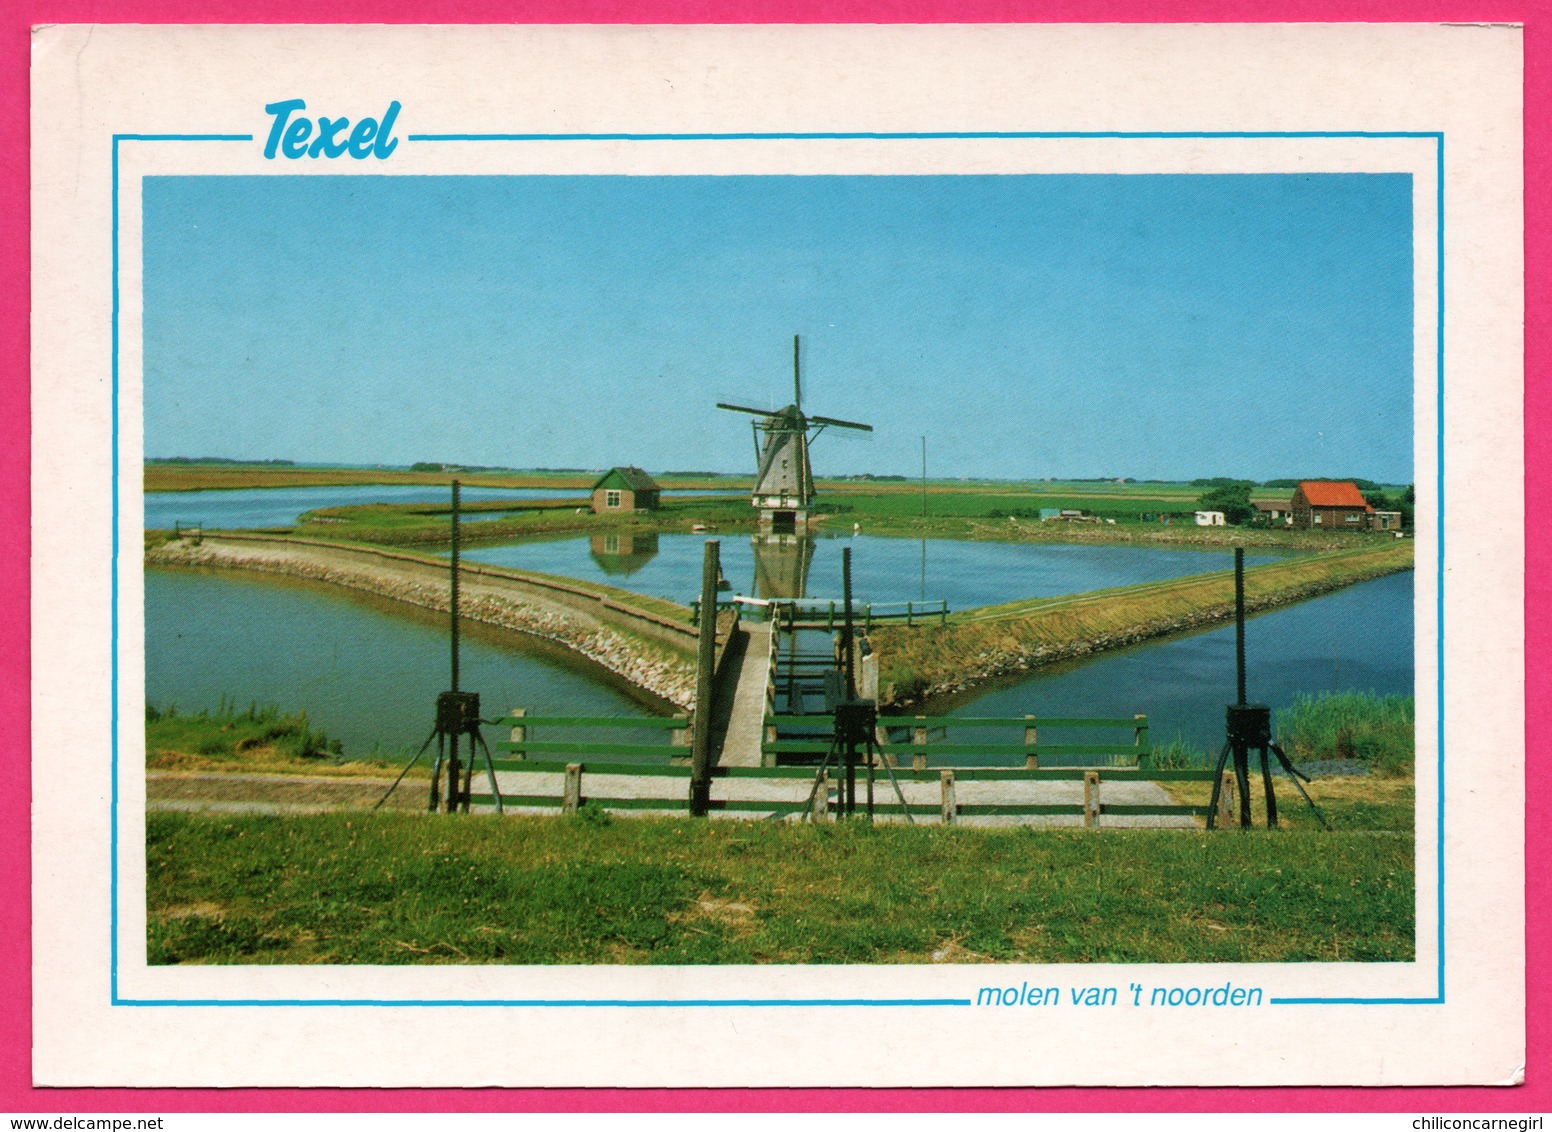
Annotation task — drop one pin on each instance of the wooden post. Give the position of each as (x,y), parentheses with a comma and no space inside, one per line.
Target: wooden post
(1141,740)
(919,739)
(705,665)
(768,757)
(1228,802)
(1031,758)
(519,733)
(950,805)
(869,680)
(881,737)
(821,811)
(1091,799)
(571,797)
(679,741)
(452,603)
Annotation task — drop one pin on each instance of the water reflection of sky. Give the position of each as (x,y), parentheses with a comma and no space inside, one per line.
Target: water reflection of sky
(366,670)
(1357,639)
(279,506)
(965,574)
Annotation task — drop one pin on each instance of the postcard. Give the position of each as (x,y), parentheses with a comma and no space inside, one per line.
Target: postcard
(778,556)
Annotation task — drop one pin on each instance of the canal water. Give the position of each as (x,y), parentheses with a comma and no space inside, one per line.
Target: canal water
(964,574)
(366,670)
(241,508)
(1356,639)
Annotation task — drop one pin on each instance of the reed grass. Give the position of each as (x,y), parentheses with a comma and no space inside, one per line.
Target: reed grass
(231,738)
(1378,731)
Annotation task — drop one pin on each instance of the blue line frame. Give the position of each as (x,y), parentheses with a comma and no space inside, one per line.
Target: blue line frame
(113,944)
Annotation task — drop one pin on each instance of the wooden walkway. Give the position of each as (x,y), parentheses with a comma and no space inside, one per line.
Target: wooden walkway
(745,730)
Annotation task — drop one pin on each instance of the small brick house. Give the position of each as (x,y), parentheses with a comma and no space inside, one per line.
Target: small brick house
(1276,512)
(1325,505)
(625,489)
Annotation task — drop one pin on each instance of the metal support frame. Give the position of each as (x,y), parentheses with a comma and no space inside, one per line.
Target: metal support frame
(1249,727)
(457,715)
(855,733)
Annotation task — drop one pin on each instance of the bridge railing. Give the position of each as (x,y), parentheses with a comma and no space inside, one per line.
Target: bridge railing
(823,613)
(923,740)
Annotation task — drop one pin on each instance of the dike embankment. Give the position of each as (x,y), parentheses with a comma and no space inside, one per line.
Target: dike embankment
(999,641)
(649,647)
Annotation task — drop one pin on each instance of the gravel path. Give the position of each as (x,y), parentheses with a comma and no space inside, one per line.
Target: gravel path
(282,794)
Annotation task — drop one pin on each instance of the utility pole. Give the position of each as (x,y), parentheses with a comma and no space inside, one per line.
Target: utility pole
(924,477)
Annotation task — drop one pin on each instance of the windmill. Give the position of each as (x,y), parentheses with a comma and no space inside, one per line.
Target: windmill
(784,482)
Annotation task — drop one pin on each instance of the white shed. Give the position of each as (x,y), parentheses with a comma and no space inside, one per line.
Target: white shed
(1209,518)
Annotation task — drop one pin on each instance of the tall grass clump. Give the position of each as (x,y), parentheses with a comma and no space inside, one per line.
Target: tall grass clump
(1361,726)
(1177,754)
(229,734)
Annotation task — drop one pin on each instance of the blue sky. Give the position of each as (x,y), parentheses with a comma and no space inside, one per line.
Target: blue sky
(1148,326)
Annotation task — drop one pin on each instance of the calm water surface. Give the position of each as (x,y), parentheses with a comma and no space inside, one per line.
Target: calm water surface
(1357,639)
(368,670)
(279,506)
(965,574)
(365,669)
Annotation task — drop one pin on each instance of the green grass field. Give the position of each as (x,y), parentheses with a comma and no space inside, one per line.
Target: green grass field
(387,524)
(206,477)
(391,888)
(956,509)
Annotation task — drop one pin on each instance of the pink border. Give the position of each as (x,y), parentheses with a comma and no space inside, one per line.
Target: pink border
(17,1095)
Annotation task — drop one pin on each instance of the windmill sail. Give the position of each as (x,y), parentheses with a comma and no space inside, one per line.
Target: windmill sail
(784,480)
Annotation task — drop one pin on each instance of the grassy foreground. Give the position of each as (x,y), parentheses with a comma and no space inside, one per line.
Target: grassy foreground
(401,888)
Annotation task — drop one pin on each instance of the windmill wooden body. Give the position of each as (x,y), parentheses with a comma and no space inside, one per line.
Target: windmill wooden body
(784,480)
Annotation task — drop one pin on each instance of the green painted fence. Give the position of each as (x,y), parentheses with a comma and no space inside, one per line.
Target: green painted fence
(922,745)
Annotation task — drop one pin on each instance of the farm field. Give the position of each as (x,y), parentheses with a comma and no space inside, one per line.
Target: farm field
(159,476)
(1001,511)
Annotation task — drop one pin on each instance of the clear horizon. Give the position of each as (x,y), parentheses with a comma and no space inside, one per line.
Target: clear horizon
(1161,327)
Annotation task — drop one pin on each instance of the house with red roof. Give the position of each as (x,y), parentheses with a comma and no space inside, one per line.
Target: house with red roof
(1327,505)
